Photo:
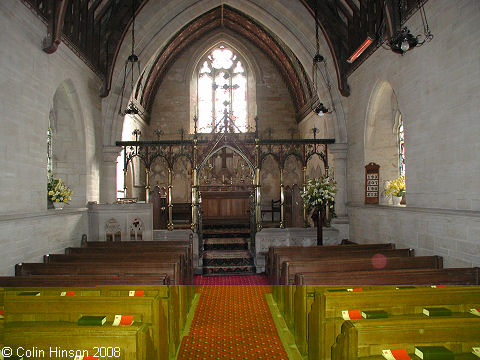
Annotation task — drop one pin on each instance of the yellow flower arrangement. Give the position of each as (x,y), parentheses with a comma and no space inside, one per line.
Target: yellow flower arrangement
(57,191)
(396,187)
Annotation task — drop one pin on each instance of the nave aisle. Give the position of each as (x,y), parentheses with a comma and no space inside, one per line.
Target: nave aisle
(232,322)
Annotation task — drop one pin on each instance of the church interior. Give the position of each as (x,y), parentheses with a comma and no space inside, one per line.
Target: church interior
(240,179)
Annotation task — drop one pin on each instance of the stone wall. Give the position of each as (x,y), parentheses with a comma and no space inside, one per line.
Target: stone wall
(30,80)
(452,234)
(27,237)
(437,91)
(171,109)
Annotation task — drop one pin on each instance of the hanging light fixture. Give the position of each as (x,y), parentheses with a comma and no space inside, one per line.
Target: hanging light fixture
(317,107)
(403,40)
(131,64)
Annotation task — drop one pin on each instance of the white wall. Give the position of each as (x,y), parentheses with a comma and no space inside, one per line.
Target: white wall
(29,80)
(437,88)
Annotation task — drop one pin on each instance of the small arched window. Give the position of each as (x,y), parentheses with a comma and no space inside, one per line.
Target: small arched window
(401,147)
(222,84)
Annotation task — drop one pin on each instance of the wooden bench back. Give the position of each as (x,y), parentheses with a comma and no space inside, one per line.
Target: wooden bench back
(452,276)
(134,341)
(146,310)
(325,318)
(83,280)
(290,268)
(175,301)
(360,339)
(92,268)
(147,244)
(309,249)
(279,259)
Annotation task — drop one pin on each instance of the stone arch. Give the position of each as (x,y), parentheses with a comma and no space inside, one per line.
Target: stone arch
(291,22)
(136,229)
(113,230)
(68,141)
(315,167)
(380,133)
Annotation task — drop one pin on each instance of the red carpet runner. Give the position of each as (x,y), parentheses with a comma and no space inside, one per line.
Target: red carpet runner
(232,322)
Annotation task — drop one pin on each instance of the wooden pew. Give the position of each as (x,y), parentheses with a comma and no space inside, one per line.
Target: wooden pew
(170,300)
(278,294)
(145,310)
(343,265)
(122,258)
(83,280)
(290,268)
(138,247)
(188,244)
(92,268)
(273,250)
(361,339)
(134,341)
(451,276)
(325,317)
(334,252)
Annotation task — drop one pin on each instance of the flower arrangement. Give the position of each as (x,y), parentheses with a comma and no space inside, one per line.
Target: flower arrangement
(396,187)
(320,192)
(58,191)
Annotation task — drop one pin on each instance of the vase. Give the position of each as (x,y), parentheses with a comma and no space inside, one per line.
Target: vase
(396,200)
(58,205)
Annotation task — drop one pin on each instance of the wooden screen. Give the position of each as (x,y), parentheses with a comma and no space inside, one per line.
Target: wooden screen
(226,204)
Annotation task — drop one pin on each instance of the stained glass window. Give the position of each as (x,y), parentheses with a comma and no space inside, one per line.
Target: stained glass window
(401,147)
(222,84)
(49,151)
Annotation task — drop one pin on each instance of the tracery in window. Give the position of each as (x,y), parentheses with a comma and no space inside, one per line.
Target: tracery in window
(222,84)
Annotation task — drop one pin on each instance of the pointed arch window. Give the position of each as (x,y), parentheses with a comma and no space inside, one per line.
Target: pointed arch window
(401,147)
(222,84)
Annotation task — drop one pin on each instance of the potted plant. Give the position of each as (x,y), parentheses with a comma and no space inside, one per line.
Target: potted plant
(318,196)
(58,193)
(396,188)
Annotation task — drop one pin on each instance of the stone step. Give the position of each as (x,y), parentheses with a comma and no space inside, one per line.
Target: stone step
(227,254)
(222,270)
(220,240)
(226,233)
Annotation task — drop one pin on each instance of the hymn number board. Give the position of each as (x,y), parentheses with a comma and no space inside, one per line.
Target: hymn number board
(371,183)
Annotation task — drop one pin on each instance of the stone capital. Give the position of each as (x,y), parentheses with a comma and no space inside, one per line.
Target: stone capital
(110,153)
(338,150)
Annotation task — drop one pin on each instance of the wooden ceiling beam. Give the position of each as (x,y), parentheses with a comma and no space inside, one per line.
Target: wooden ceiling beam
(55,26)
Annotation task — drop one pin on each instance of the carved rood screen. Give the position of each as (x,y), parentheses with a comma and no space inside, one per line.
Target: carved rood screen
(226,161)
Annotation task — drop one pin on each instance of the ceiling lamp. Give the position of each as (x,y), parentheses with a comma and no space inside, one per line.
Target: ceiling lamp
(131,64)
(402,40)
(318,108)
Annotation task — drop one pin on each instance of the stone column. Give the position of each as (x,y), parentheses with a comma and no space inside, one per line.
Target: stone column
(108,189)
(339,153)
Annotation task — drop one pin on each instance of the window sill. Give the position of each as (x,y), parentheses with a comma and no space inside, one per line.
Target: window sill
(44,213)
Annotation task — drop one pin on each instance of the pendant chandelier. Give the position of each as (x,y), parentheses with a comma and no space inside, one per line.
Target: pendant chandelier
(403,40)
(318,107)
(132,68)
